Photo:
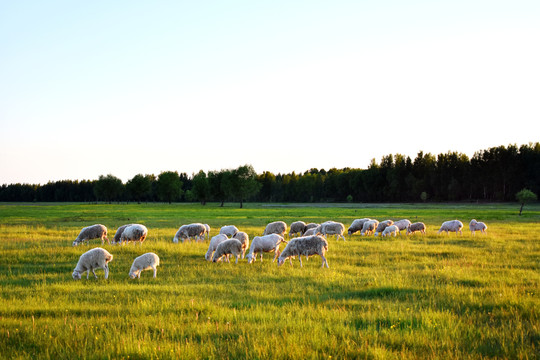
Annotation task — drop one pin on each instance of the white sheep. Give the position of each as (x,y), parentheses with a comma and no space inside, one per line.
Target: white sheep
(118,234)
(402,224)
(307,246)
(357,225)
(276,227)
(451,225)
(369,227)
(389,230)
(266,243)
(417,226)
(195,231)
(297,227)
(207,234)
(134,232)
(477,226)
(310,226)
(383,225)
(312,231)
(229,230)
(244,239)
(96,231)
(332,228)
(97,258)
(228,247)
(144,262)
(214,242)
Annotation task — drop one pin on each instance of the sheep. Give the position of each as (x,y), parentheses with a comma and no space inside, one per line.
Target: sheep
(144,262)
(96,231)
(244,239)
(96,258)
(382,225)
(307,246)
(266,243)
(332,228)
(195,230)
(276,227)
(369,227)
(207,233)
(229,230)
(134,232)
(477,226)
(228,247)
(357,225)
(389,230)
(417,226)
(451,225)
(312,231)
(214,242)
(297,227)
(402,224)
(119,232)
(310,226)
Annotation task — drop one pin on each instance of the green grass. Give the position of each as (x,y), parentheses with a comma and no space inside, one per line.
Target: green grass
(433,296)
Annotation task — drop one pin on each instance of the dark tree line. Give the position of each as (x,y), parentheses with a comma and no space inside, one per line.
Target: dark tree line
(495,174)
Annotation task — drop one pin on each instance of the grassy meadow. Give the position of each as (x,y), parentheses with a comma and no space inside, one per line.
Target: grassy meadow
(432,296)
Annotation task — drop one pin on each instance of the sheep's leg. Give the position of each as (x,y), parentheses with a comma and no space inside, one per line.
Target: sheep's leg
(300,258)
(106,271)
(237,256)
(87,274)
(93,272)
(324,261)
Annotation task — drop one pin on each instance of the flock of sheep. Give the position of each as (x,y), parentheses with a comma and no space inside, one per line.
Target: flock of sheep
(304,239)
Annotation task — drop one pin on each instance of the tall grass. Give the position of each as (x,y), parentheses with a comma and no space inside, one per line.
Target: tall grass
(432,296)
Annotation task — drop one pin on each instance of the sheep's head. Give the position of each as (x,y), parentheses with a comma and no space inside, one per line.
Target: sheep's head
(75,243)
(133,274)
(280,261)
(250,258)
(76,275)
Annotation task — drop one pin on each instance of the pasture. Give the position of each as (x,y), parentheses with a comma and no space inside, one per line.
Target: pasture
(432,296)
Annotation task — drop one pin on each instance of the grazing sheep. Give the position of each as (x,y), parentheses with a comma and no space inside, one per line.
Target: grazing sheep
(310,232)
(310,226)
(244,239)
(228,247)
(214,242)
(417,226)
(97,258)
(207,233)
(96,231)
(266,243)
(307,246)
(383,225)
(297,227)
(451,225)
(477,226)
(276,227)
(332,228)
(144,262)
(357,225)
(118,234)
(402,224)
(389,230)
(229,230)
(134,232)
(195,230)
(369,227)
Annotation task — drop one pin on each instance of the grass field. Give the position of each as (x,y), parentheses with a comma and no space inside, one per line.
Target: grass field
(433,296)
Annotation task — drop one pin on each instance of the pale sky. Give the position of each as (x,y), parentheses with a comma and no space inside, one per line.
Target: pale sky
(127,87)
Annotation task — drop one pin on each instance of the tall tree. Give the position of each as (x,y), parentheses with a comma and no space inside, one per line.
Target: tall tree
(169,186)
(525,196)
(243,183)
(140,187)
(201,187)
(108,188)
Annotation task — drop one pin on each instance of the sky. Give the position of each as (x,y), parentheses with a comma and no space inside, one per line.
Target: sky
(127,87)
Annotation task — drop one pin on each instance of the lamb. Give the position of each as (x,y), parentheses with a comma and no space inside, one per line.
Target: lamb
(383,225)
(389,230)
(477,226)
(276,227)
(451,225)
(369,227)
(228,247)
(417,226)
(297,227)
(266,243)
(307,246)
(96,231)
(134,232)
(229,230)
(97,258)
(119,232)
(144,262)
(402,224)
(244,239)
(195,230)
(357,225)
(214,242)
(332,228)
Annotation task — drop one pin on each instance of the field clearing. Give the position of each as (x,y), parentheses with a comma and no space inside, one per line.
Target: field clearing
(432,296)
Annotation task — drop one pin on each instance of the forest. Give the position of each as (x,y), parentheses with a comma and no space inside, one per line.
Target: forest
(495,174)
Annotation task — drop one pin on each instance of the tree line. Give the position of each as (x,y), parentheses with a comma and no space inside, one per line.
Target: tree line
(495,174)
